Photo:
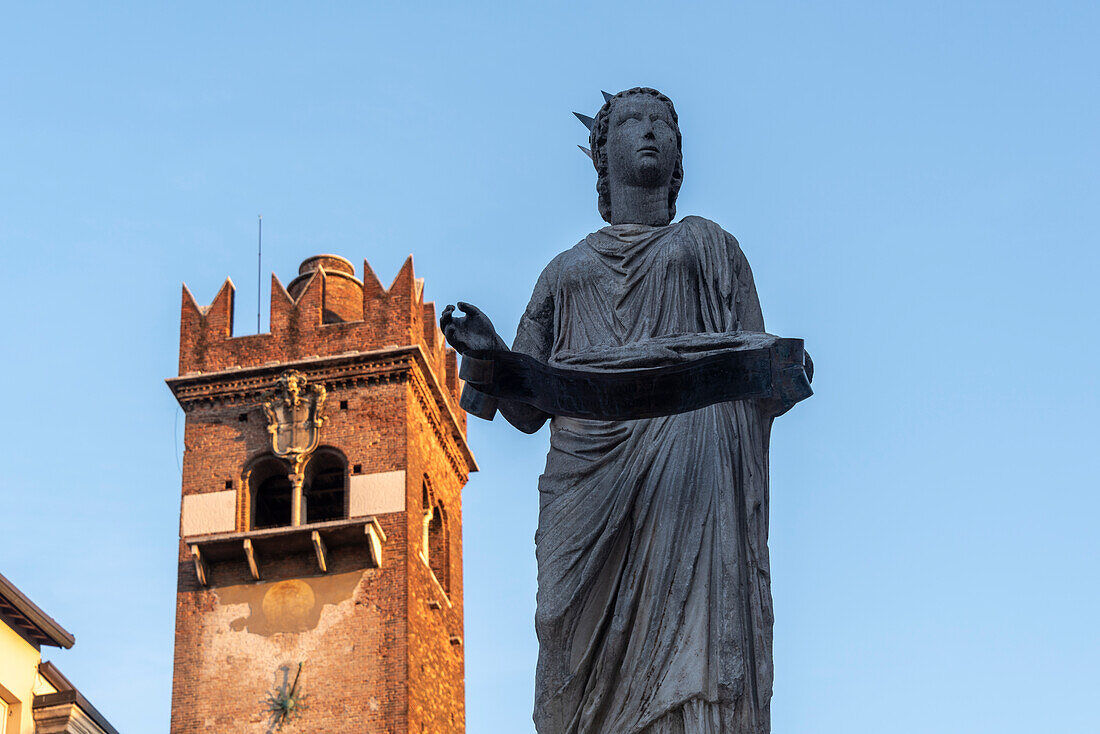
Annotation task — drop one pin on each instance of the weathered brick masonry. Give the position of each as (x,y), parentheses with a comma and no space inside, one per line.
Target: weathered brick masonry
(381,644)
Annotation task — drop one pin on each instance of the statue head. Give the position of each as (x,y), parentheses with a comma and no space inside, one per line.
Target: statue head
(625,128)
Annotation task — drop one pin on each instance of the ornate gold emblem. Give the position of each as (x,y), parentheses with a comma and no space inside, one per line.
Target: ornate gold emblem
(294,418)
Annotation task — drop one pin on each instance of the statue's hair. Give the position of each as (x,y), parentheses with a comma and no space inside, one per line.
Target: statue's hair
(598,140)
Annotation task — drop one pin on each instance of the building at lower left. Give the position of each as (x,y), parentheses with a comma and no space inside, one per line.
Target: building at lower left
(35,698)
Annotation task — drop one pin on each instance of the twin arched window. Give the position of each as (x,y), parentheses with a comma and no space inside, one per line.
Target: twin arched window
(324,490)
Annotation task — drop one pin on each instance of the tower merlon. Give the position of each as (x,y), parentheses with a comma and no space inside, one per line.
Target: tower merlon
(324,310)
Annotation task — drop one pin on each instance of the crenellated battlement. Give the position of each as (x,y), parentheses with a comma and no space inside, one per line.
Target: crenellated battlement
(324,311)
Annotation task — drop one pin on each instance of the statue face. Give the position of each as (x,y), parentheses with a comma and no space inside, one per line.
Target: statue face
(641,142)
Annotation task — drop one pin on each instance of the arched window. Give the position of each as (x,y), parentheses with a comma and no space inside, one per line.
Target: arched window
(435,543)
(325,487)
(271,490)
(439,547)
(425,520)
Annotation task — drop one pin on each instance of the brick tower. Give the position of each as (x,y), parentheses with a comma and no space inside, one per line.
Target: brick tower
(321,518)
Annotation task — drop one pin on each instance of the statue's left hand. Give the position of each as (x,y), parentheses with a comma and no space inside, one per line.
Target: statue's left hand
(473,332)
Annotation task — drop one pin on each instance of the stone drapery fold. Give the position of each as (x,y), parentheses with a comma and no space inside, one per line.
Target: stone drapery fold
(654,604)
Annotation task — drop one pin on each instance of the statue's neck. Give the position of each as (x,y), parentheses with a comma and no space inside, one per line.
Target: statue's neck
(639,205)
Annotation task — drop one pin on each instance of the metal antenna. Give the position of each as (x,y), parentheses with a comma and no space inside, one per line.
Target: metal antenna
(259,265)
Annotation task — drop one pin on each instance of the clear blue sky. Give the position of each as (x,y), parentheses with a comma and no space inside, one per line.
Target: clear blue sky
(916,185)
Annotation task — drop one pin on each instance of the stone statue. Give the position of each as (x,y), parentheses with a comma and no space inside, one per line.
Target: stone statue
(654,603)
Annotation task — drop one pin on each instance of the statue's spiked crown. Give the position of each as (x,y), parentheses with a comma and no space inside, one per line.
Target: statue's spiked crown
(588,122)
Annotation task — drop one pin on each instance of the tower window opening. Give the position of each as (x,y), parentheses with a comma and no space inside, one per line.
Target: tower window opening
(272,492)
(242,418)
(229,484)
(325,493)
(439,547)
(343,405)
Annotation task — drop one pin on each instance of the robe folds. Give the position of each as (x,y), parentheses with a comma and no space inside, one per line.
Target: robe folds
(654,603)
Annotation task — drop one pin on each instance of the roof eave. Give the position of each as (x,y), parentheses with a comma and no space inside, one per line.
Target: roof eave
(54,633)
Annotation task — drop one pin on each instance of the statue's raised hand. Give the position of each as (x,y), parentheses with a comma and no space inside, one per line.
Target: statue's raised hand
(473,332)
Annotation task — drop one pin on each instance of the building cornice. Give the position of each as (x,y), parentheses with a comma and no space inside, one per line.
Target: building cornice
(243,385)
(69,711)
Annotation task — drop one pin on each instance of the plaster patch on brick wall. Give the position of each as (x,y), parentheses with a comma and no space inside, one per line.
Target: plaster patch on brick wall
(377,494)
(252,664)
(290,606)
(213,512)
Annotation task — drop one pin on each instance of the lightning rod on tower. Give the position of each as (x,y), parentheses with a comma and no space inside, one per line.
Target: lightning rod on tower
(259,265)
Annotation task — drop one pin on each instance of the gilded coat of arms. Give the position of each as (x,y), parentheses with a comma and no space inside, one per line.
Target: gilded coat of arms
(294,418)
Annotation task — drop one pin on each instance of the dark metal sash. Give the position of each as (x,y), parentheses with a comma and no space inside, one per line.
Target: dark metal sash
(776,373)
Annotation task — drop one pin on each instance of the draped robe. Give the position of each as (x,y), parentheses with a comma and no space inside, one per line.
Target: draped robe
(654,605)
